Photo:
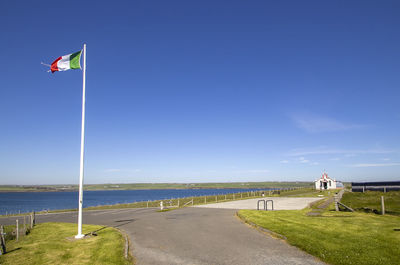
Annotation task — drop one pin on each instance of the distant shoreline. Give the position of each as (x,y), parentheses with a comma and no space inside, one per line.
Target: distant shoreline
(76,190)
(153,186)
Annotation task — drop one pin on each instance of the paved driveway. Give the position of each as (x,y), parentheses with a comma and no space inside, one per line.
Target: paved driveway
(280,203)
(190,236)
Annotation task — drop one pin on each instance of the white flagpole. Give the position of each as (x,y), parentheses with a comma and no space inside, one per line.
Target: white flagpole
(80,235)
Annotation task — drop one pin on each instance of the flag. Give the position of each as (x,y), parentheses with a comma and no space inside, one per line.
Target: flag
(66,62)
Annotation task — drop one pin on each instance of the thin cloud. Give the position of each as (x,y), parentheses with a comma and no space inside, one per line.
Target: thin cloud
(256,171)
(303,160)
(113,170)
(250,171)
(332,151)
(315,124)
(284,161)
(110,170)
(376,165)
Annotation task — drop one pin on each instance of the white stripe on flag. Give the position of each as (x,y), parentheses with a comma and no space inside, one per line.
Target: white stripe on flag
(63,64)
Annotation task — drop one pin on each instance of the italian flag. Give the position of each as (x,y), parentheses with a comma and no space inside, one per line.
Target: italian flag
(66,62)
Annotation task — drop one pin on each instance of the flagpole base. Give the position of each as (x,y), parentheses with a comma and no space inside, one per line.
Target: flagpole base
(79,236)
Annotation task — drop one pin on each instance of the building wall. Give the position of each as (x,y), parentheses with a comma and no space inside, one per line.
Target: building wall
(317,183)
(331,184)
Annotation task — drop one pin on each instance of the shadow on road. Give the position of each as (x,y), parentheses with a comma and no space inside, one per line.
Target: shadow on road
(124,222)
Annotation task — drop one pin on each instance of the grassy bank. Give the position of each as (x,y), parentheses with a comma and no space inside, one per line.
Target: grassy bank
(53,243)
(339,238)
(370,201)
(181,202)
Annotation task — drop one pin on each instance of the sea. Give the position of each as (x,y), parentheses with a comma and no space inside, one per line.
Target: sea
(22,202)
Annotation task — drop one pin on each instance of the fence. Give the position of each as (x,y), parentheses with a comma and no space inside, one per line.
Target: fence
(375,186)
(15,232)
(188,201)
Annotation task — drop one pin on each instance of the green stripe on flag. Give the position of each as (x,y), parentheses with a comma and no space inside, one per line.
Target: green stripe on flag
(74,60)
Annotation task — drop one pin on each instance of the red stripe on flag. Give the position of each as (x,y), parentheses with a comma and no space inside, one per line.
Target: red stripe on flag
(53,66)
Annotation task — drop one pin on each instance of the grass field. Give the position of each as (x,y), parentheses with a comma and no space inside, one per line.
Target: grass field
(305,192)
(339,238)
(53,243)
(370,201)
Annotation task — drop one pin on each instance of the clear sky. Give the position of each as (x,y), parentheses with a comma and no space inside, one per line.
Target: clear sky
(201,91)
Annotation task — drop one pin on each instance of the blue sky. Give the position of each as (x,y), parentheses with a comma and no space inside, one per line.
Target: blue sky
(201,91)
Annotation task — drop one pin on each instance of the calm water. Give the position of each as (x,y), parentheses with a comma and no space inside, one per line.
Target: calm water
(15,202)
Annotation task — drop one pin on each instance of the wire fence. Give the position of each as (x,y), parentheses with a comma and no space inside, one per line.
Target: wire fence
(21,228)
(206,199)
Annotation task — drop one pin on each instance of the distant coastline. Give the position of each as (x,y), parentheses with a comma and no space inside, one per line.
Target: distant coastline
(152,186)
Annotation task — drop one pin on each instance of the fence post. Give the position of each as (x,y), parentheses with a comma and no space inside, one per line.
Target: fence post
(147,205)
(241,195)
(31,221)
(234,196)
(336,203)
(383,205)
(2,240)
(225,197)
(205,199)
(216,198)
(384,189)
(126,246)
(17,229)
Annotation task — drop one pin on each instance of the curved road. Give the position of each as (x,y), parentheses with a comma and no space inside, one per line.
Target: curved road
(190,236)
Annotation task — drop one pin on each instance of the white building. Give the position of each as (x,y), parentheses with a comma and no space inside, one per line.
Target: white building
(325,183)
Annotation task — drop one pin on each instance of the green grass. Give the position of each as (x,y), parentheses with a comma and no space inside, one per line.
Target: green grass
(310,192)
(208,199)
(182,201)
(370,201)
(53,243)
(339,238)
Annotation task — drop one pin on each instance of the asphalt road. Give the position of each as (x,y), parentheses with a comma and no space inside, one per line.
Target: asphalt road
(189,236)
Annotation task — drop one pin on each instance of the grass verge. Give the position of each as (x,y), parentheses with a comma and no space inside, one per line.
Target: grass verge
(338,238)
(305,192)
(370,201)
(54,243)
